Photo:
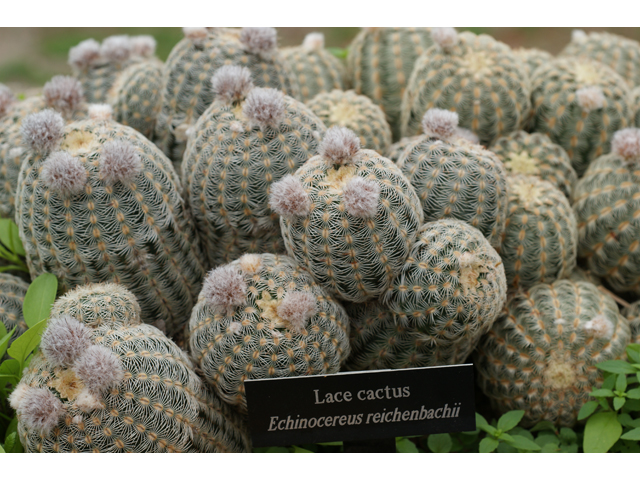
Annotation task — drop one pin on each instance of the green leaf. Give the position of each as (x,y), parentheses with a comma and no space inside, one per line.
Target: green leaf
(338,52)
(602,392)
(567,435)
(572,448)
(2,449)
(300,450)
(331,444)
(10,238)
(22,346)
(616,366)
(633,351)
(609,381)
(10,371)
(523,443)
(510,420)
(505,437)
(521,431)
(601,432)
(488,445)
(632,435)
(618,403)
(4,340)
(587,409)
(546,439)
(440,443)
(545,425)
(10,443)
(404,445)
(13,427)
(480,421)
(39,298)
(3,331)
(550,448)
(634,394)
(621,383)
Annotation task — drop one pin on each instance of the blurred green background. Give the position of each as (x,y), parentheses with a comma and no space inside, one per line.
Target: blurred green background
(31,56)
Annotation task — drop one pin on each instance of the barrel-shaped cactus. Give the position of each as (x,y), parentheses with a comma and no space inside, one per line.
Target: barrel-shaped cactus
(262,316)
(245,141)
(97,201)
(635,107)
(317,70)
(541,355)
(535,154)
(579,104)
(540,239)
(632,313)
(12,292)
(105,382)
(357,113)
(532,58)
(474,75)
(349,216)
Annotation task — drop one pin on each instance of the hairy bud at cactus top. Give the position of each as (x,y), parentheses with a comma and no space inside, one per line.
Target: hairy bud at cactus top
(104,382)
(12,292)
(541,356)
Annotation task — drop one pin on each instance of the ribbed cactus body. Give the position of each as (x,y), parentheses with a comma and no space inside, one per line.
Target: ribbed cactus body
(540,239)
(316,69)
(635,106)
(256,338)
(458,180)
(12,292)
(357,113)
(620,53)
(158,404)
(479,78)
(632,313)
(187,90)
(579,104)
(534,154)
(124,220)
(541,356)
(380,62)
(532,58)
(395,150)
(136,96)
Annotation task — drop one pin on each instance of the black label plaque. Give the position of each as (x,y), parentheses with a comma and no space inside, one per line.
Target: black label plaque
(354,406)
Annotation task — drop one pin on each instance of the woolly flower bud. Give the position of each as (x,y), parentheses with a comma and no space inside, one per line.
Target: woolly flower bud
(64,340)
(297,308)
(590,98)
(100,112)
(84,54)
(250,263)
(16,397)
(43,130)
(64,173)
(339,145)
(439,123)
(232,83)
(259,40)
(578,36)
(64,94)
(264,107)
(626,143)
(361,197)
(197,35)
(599,327)
(143,45)
(288,198)
(117,48)
(313,41)
(468,135)
(119,162)
(224,288)
(445,37)
(87,401)
(99,369)
(235,328)
(7,98)
(40,410)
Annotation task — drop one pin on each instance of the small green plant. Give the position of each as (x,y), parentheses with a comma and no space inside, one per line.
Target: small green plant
(11,249)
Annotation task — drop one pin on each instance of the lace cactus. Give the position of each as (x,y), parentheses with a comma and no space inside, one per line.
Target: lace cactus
(579,104)
(607,206)
(477,77)
(541,356)
(246,140)
(105,382)
(455,178)
(539,243)
(12,292)
(97,201)
(635,106)
(262,316)
(187,92)
(532,58)
(534,154)
(632,313)
(355,112)
(316,69)
(349,216)
(380,62)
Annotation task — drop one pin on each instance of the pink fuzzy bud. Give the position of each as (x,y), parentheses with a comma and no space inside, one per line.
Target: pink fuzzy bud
(591,98)
(43,130)
(225,288)
(143,45)
(259,40)
(313,41)
(64,174)
(445,37)
(265,107)
(119,162)
(64,340)
(197,35)
(117,48)
(7,99)
(63,93)
(85,54)
(288,198)
(626,143)
(361,197)
(440,123)
(578,36)
(339,145)
(99,369)
(100,112)
(599,327)
(297,308)
(232,83)
(40,410)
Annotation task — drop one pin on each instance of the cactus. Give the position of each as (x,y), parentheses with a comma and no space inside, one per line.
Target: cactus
(349,216)
(635,107)
(607,205)
(532,58)
(455,178)
(541,355)
(534,154)
(579,104)
(105,382)
(97,66)
(246,140)
(317,70)
(380,62)
(539,243)
(262,316)
(97,201)
(477,77)
(12,292)
(357,113)
(620,53)
(187,93)
(632,313)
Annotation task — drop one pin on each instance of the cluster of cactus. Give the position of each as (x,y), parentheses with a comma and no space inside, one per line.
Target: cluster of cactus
(12,292)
